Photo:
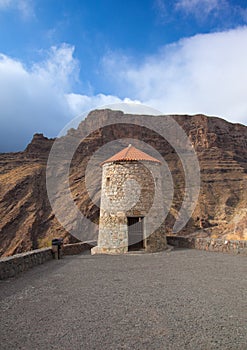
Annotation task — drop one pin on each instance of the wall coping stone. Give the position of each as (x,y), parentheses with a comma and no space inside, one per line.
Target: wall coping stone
(23,255)
(209,244)
(13,265)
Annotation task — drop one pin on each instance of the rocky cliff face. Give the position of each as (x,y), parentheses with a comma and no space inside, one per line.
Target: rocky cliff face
(27,220)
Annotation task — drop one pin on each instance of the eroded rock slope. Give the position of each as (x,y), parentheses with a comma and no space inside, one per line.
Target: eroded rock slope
(28,222)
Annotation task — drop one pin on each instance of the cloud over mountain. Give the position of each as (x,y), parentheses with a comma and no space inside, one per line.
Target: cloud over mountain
(40,98)
(206,73)
(32,99)
(202,74)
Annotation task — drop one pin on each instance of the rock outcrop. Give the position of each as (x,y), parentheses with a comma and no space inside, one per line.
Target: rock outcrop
(28,222)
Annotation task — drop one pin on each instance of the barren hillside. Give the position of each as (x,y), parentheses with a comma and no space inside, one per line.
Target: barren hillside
(26,217)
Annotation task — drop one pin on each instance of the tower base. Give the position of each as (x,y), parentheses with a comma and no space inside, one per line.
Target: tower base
(110,251)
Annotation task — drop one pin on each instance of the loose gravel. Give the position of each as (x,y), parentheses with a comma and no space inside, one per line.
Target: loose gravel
(183,299)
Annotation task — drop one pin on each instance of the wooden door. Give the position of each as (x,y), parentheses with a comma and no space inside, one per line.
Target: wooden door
(135,233)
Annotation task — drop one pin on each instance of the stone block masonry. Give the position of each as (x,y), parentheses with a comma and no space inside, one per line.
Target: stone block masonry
(13,265)
(131,189)
(208,244)
(78,248)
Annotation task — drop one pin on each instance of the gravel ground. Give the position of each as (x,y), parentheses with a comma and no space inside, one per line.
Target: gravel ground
(183,299)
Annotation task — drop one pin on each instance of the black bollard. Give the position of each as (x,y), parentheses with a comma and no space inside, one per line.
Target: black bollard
(57,248)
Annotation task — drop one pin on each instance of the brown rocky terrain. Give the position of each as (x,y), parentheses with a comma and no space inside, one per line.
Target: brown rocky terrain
(28,222)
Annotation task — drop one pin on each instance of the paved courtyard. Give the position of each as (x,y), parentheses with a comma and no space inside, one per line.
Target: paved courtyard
(183,299)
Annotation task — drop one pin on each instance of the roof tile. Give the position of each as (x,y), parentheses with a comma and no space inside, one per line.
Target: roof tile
(131,153)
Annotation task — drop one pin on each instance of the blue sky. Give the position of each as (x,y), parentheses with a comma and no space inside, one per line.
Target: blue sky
(59,58)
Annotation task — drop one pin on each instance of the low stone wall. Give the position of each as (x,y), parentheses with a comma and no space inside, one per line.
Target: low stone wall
(13,265)
(77,248)
(209,244)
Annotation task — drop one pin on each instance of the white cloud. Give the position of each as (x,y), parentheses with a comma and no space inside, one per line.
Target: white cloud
(33,100)
(39,99)
(5,3)
(161,9)
(60,68)
(198,8)
(29,103)
(79,103)
(204,7)
(202,74)
(24,7)
(216,13)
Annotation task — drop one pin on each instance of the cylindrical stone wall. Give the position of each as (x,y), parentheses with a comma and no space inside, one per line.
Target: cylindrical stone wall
(130,189)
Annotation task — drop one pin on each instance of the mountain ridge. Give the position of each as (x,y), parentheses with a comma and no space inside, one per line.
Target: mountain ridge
(26,218)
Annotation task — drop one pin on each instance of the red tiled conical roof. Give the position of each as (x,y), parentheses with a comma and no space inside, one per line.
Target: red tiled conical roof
(130,153)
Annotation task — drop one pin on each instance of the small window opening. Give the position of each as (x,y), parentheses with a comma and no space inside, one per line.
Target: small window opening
(107,180)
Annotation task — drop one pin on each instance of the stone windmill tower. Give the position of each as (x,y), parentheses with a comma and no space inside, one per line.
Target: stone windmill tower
(132,204)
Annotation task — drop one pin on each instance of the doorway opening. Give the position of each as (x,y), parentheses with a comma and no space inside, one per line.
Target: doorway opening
(135,233)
